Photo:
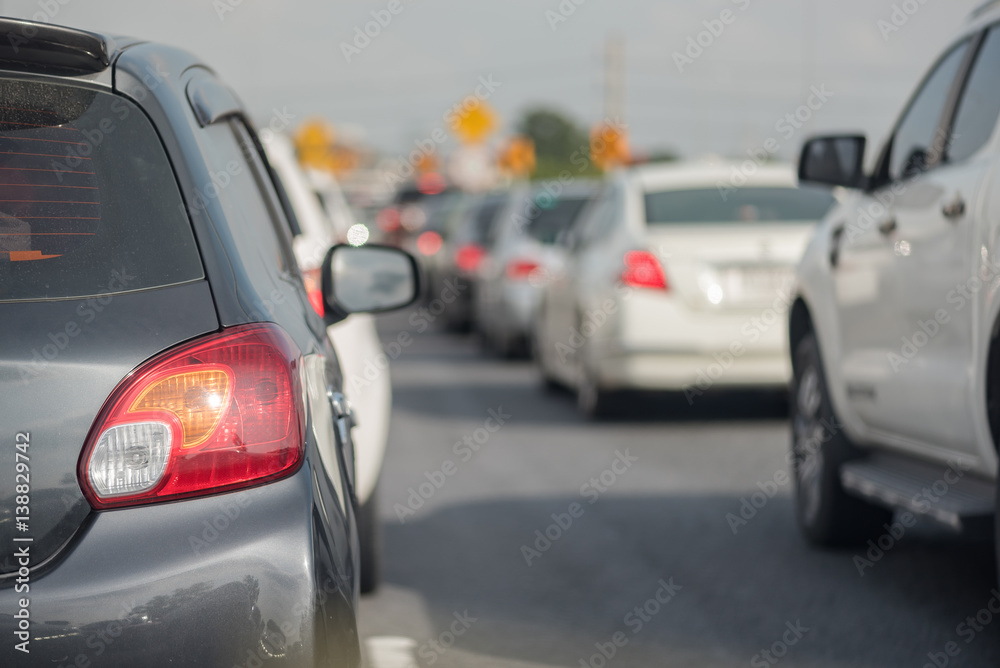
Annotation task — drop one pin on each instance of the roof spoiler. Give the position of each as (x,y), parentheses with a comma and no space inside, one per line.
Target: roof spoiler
(41,47)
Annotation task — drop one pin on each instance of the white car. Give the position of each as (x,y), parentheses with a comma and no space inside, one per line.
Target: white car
(355,338)
(675,280)
(894,330)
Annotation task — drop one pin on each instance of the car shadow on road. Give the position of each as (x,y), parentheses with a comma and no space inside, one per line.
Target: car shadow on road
(547,590)
(533,403)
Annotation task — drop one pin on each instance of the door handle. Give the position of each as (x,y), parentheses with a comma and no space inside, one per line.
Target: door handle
(888,226)
(955,208)
(835,237)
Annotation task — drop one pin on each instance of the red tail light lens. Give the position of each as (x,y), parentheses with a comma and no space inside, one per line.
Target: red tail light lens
(388,219)
(643,270)
(520,270)
(220,413)
(469,256)
(313,280)
(429,243)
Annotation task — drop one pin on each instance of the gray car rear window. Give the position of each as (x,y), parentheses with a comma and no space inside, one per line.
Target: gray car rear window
(88,200)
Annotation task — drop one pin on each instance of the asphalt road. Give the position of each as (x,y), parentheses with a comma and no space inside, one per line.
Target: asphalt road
(656,553)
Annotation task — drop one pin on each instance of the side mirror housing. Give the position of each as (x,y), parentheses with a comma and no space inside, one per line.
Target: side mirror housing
(368,279)
(836,160)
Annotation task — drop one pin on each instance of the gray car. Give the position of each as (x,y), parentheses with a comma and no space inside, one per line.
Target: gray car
(177,465)
(522,254)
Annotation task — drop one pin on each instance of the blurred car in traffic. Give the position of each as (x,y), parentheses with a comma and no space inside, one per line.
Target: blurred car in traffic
(895,331)
(176,421)
(355,339)
(457,270)
(674,281)
(522,253)
(406,216)
(428,245)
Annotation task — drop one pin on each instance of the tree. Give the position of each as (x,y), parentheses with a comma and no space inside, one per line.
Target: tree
(560,144)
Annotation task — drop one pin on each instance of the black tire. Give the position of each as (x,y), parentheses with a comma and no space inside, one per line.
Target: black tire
(370,540)
(827,515)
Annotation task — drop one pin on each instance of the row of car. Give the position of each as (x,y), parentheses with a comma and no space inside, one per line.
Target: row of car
(661,277)
(874,290)
(184,478)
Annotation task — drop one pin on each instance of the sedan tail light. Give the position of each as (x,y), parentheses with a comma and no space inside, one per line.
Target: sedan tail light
(469,257)
(643,270)
(521,270)
(429,243)
(313,280)
(220,413)
(388,219)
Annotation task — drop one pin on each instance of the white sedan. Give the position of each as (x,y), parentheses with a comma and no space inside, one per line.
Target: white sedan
(324,220)
(677,279)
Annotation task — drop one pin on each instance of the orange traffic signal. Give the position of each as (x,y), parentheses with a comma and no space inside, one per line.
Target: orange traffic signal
(609,146)
(517,158)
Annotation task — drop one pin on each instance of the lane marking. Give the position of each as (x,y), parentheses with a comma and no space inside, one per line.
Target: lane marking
(391,652)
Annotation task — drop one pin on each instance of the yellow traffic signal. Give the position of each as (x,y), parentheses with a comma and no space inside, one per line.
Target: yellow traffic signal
(472,124)
(313,141)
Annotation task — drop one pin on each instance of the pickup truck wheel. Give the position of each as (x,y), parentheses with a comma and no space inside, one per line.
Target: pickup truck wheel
(827,515)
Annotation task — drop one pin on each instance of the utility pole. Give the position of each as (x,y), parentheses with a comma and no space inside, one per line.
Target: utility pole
(614,78)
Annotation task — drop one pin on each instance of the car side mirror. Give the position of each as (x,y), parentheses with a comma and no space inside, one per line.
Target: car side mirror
(368,279)
(836,160)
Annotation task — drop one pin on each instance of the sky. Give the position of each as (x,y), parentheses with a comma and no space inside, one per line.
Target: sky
(759,60)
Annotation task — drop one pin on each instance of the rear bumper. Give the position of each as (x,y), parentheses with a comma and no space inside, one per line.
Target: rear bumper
(675,370)
(228,580)
(655,341)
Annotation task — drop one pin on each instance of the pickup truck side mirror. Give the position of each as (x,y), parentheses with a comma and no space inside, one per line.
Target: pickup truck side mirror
(836,160)
(368,279)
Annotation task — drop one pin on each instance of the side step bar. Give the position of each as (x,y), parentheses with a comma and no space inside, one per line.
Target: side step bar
(943,493)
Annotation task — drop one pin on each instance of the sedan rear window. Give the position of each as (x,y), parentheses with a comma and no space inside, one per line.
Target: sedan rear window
(553,217)
(740,205)
(88,200)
